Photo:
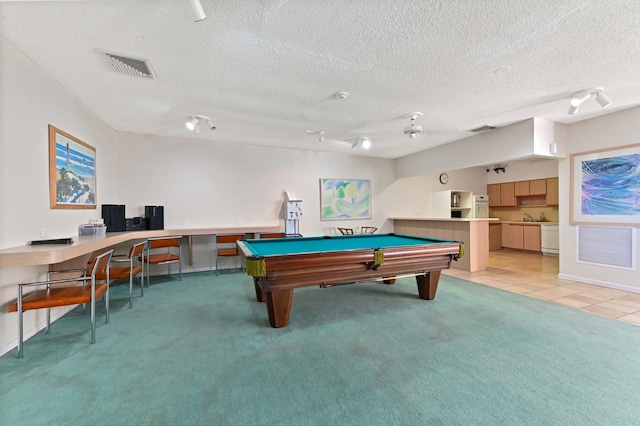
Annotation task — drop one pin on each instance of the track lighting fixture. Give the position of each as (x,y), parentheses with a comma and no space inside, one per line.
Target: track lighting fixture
(320,134)
(196,10)
(363,141)
(583,95)
(194,123)
(413,129)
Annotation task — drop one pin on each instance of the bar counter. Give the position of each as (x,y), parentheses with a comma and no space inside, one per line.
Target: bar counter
(474,233)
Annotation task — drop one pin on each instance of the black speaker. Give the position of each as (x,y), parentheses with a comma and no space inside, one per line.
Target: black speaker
(155,217)
(113,215)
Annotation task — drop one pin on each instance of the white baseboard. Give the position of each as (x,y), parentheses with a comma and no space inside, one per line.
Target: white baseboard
(59,313)
(607,284)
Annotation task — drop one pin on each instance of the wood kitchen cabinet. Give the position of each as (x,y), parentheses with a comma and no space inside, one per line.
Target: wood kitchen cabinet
(538,187)
(552,192)
(495,236)
(536,192)
(521,237)
(493,191)
(507,194)
(531,238)
(514,237)
(521,188)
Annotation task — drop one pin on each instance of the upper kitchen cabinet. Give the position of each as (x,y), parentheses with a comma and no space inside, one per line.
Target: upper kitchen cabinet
(507,194)
(493,191)
(521,188)
(537,192)
(526,188)
(501,194)
(552,192)
(538,187)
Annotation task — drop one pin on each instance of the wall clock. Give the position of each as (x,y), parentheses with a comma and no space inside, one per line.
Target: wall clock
(444,178)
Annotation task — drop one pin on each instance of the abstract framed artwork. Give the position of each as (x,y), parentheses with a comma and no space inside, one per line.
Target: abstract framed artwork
(605,187)
(345,199)
(72,172)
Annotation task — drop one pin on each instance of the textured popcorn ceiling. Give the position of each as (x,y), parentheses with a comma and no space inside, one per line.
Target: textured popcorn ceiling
(267,71)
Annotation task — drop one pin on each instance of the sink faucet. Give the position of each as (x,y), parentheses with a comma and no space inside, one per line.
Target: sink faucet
(528,218)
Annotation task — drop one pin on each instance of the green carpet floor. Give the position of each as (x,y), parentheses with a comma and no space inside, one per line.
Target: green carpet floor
(200,352)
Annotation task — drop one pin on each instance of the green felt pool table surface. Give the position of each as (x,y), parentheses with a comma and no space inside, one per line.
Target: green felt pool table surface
(290,246)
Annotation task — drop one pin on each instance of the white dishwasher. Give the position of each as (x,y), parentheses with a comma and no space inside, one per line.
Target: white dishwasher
(549,238)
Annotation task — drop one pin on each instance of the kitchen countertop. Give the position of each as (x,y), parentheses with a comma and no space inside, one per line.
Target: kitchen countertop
(519,222)
(445,219)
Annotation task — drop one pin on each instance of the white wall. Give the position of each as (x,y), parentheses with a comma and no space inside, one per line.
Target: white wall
(411,197)
(216,184)
(608,131)
(529,169)
(29,101)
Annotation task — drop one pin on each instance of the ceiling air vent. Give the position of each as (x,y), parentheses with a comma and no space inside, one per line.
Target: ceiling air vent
(484,128)
(129,65)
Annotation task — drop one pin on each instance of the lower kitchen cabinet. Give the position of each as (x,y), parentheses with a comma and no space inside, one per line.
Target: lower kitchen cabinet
(521,237)
(531,237)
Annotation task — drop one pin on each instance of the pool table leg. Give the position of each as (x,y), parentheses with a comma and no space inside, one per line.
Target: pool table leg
(279,306)
(428,284)
(259,292)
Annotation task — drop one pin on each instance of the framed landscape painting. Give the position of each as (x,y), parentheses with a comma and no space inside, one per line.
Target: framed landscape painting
(345,199)
(605,187)
(72,172)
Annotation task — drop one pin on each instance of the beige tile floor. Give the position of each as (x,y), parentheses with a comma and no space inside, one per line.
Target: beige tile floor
(535,275)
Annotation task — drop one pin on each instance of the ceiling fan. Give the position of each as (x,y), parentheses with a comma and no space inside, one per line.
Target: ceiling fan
(413,129)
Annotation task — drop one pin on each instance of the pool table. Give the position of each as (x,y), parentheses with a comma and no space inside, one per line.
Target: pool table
(280,265)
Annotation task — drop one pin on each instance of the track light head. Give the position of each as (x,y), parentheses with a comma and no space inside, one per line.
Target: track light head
(191,124)
(603,99)
(197,11)
(320,136)
(364,141)
(579,98)
(573,109)
(194,123)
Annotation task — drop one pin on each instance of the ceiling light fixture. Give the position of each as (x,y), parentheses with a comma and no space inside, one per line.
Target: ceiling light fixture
(413,130)
(583,95)
(603,99)
(197,11)
(320,134)
(364,141)
(194,122)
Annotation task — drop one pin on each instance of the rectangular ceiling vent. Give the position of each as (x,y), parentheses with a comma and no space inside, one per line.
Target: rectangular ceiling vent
(484,128)
(129,65)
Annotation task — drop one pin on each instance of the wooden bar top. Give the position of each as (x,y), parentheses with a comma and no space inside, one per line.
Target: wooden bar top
(48,254)
(446,219)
